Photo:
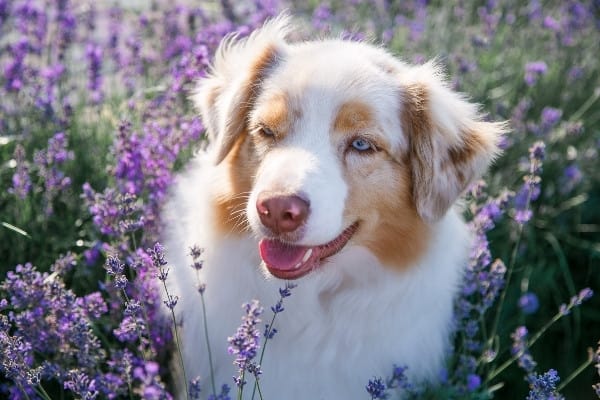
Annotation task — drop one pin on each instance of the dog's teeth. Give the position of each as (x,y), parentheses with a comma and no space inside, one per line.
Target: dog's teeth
(297,265)
(307,255)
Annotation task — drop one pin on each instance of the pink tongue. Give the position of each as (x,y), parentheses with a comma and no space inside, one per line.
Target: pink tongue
(279,255)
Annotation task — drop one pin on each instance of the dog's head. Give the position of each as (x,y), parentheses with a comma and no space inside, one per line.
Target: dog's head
(330,143)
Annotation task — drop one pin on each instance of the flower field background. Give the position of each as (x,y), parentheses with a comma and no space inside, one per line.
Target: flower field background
(95,121)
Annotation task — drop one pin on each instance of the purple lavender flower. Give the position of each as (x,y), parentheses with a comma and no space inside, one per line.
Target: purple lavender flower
(543,387)
(194,388)
(550,117)
(151,386)
(519,348)
(114,266)
(67,24)
(577,300)
(529,303)
(377,389)
(15,71)
(245,343)
(321,17)
(48,319)
(21,181)
(93,53)
(531,184)
(551,24)
(223,395)
(113,213)
(46,97)
(284,292)
(533,70)
(171,301)
(93,304)
(115,16)
(572,176)
(399,380)
(48,163)
(473,382)
(81,385)
(129,329)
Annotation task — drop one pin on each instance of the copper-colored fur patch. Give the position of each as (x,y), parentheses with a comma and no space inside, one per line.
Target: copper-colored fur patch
(237,163)
(418,126)
(279,114)
(237,170)
(389,223)
(415,118)
(353,116)
(472,144)
(246,99)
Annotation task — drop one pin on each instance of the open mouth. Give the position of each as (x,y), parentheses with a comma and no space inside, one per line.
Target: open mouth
(287,261)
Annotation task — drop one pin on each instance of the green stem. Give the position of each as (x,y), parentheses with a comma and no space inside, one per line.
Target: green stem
(241,387)
(262,354)
(257,385)
(575,373)
(588,103)
(137,327)
(23,390)
(177,344)
(530,343)
(41,391)
(509,270)
(210,359)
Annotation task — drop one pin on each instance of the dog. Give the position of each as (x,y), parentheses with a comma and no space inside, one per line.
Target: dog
(336,166)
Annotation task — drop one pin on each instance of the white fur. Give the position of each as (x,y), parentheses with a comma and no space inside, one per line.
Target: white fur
(354,318)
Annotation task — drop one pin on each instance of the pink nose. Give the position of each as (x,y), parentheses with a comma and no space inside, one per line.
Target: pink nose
(281,213)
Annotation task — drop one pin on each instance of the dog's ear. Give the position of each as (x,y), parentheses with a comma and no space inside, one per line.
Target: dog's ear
(450,145)
(226,96)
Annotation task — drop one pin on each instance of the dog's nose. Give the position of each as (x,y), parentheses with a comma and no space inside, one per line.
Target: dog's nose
(281,213)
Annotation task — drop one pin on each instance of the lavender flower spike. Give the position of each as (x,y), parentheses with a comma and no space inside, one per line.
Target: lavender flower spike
(246,342)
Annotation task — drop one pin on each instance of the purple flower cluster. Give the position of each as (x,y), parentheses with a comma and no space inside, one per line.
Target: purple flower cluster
(530,190)
(377,388)
(47,167)
(529,303)
(144,162)
(533,71)
(543,387)
(21,181)
(484,280)
(520,349)
(284,292)
(42,317)
(245,343)
(93,52)
(577,300)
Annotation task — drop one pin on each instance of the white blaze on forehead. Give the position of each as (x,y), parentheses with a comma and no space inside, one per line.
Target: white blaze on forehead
(322,76)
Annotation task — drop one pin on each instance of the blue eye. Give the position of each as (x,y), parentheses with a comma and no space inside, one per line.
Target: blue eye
(362,145)
(264,131)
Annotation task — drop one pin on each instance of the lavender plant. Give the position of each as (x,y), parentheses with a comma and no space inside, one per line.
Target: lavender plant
(95,121)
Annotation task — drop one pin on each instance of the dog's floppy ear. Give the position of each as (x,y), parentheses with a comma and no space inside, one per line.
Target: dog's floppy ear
(449,143)
(227,94)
